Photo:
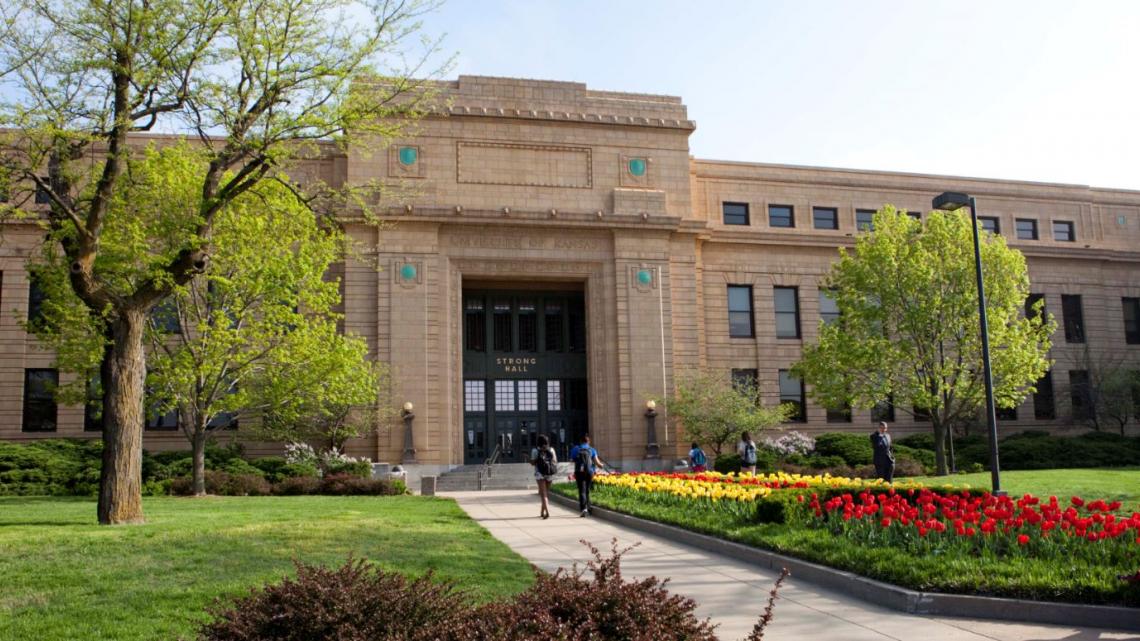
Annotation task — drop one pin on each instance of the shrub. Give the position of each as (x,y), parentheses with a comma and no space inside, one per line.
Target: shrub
(790,443)
(726,463)
(240,466)
(854,449)
(1036,450)
(223,484)
(358,468)
(350,485)
(924,458)
(50,467)
(277,469)
(355,602)
(920,441)
(297,486)
(778,507)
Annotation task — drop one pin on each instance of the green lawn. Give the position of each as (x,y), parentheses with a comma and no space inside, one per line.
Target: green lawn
(62,577)
(1119,484)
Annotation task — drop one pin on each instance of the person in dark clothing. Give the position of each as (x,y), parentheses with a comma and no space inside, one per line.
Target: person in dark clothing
(586,464)
(884,457)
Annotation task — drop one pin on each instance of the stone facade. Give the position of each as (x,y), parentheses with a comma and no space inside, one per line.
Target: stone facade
(550,186)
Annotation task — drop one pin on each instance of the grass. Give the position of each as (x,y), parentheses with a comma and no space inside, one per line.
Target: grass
(939,567)
(62,577)
(1119,484)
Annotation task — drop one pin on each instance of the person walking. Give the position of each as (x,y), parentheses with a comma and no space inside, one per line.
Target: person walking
(545,463)
(697,458)
(746,448)
(586,464)
(883,456)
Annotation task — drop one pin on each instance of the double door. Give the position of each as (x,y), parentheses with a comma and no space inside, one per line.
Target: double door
(511,414)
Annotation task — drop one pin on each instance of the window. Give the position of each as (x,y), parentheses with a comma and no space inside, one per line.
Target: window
(39,400)
(745,379)
(921,414)
(528,326)
(474,325)
(93,406)
(1063,231)
(841,415)
(1079,393)
(1074,319)
(1006,413)
(825,217)
(884,410)
(1131,320)
(990,224)
(501,319)
(1026,229)
(828,308)
(1031,303)
(36,298)
(735,213)
(1043,405)
(42,195)
(792,393)
(740,311)
(553,316)
(164,317)
(787,312)
(504,396)
(917,215)
(553,396)
(781,216)
(475,396)
(528,396)
(865,219)
(576,315)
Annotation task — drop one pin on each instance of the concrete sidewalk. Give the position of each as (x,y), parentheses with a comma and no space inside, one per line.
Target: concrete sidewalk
(733,593)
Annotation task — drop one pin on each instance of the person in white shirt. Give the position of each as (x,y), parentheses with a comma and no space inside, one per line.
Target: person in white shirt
(746,448)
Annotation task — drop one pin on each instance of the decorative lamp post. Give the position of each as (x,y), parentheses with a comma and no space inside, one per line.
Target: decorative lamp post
(953,201)
(409,443)
(652,450)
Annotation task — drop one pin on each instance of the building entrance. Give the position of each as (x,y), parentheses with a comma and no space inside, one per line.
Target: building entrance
(524,372)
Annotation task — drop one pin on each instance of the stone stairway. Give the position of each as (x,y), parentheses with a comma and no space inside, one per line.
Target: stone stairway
(503,476)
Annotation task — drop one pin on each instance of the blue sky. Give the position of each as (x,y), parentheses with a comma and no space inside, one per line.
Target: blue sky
(1045,91)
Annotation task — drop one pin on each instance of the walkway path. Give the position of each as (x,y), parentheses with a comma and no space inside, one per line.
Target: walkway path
(731,592)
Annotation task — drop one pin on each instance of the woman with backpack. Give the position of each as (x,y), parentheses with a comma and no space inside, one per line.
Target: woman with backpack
(545,463)
(697,458)
(746,448)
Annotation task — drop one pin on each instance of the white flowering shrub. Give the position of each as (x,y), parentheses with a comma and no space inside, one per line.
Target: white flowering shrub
(301,453)
(790,443)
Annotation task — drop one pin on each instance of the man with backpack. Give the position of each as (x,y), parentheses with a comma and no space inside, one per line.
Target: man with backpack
(697,459)
(586,463)
(746,448)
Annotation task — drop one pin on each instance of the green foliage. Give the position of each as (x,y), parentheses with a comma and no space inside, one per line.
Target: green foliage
(854,449)
(726,463)
(359,469)
(1035,450)
(50,467)
(924,441)
(909,332)
(712,411)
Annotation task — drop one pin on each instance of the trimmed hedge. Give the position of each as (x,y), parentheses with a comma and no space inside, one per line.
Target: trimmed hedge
(1037,450)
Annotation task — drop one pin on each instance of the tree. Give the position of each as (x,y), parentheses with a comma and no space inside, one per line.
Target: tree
(713,411)
(1108,393)
(252,85)
(908,328)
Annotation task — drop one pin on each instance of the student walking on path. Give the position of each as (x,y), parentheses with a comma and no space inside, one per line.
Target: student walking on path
(746,448)
(545,463)
(586,464)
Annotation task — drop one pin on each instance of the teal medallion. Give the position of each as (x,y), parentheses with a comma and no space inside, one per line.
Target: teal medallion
(644,277)
(408,155)
(408,271)
(637,167)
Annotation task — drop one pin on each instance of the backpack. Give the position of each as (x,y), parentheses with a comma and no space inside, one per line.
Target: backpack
(749,454)
(698,456)
(545,464)
(582,463)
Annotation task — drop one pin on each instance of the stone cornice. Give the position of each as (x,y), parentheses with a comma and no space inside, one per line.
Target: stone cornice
(566,116)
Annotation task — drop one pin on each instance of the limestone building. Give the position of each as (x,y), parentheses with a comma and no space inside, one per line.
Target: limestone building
(561,256)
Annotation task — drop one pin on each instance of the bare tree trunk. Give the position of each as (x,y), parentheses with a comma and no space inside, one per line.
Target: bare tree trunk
(939,444)
(123,374)
(198,446)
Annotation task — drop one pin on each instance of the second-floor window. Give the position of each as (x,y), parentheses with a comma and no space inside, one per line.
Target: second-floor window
(1131,320)
(740,311)
(828,308)
(990,224)
(1074,318)
(865,219)
(1031,304)
(787,312)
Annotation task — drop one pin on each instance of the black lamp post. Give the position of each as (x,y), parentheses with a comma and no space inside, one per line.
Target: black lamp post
(652,449)
(953,201)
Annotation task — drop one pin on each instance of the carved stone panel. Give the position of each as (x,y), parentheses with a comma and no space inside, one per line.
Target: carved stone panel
(493,163)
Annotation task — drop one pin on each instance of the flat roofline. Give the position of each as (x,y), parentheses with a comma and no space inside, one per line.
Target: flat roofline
(948,179)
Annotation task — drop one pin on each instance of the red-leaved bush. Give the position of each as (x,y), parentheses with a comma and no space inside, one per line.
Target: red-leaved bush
(361,602)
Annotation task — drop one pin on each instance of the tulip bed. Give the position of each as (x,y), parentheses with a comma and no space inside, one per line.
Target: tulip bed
(935,539)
